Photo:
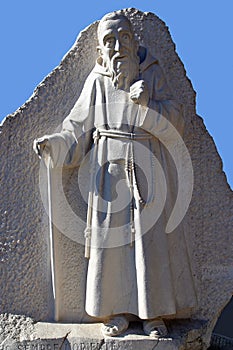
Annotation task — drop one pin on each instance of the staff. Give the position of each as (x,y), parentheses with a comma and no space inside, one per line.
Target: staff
(51,234)
(40,146)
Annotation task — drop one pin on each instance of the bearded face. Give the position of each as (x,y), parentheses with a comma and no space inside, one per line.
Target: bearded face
(124,69)
(119,52)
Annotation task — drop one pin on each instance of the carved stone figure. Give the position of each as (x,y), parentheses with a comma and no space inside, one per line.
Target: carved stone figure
(123,117)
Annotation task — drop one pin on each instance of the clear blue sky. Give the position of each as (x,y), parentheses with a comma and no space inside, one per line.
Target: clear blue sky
(36,35)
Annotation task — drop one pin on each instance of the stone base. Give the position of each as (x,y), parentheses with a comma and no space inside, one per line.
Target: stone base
(183,334)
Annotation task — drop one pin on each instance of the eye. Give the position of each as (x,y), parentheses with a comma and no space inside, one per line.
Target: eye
(109,41)
(125,37)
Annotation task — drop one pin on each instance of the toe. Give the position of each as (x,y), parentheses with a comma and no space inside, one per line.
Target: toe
(154,334)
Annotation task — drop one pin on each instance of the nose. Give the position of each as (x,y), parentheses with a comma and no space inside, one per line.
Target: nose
(117,45)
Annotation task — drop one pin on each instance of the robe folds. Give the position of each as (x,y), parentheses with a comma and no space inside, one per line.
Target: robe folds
(135,266)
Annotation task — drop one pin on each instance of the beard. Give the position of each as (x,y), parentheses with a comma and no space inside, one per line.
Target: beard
(124,69)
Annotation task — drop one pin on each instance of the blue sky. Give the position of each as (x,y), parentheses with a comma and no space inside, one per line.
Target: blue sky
(36,35)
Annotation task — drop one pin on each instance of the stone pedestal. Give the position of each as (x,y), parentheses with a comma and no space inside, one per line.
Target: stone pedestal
(183,334)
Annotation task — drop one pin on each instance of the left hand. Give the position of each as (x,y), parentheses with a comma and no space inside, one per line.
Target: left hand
(139,93)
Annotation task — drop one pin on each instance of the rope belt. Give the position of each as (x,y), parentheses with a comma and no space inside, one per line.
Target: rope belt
(121,135)
(130,171)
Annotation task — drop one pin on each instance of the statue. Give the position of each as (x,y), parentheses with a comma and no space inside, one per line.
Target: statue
(135,267)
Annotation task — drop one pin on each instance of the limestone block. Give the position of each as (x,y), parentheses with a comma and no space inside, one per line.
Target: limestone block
(54,336)
(25,276)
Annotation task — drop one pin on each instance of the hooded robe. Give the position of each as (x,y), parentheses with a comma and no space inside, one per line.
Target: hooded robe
(135,266)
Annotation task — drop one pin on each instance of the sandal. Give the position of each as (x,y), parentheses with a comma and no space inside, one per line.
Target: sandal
(155,328)
(116,325)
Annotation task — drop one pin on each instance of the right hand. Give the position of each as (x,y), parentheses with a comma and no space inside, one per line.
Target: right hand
(42,146)
(139,93)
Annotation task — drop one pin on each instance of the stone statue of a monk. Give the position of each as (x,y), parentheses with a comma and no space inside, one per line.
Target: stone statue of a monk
(135,267)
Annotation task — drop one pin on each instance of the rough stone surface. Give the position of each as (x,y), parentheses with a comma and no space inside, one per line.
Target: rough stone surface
(183,335)
(13,328)
(24,261)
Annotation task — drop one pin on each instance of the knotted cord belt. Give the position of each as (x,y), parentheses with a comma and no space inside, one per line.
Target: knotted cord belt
(130,171)
(117,134)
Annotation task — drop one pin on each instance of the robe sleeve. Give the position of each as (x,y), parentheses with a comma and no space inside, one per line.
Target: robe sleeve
(70,145)
(60,148)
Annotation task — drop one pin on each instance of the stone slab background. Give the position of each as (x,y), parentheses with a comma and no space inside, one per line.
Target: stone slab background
(25,277)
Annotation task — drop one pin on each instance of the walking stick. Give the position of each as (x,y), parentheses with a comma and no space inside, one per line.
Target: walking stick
(47,160)
(51,234)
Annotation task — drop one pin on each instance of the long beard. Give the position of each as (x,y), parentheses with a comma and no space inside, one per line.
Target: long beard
(124,69)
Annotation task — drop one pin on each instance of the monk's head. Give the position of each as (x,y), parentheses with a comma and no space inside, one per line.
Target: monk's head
(118,49)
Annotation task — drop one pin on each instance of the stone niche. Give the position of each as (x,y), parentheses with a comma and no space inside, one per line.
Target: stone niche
(26,286)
